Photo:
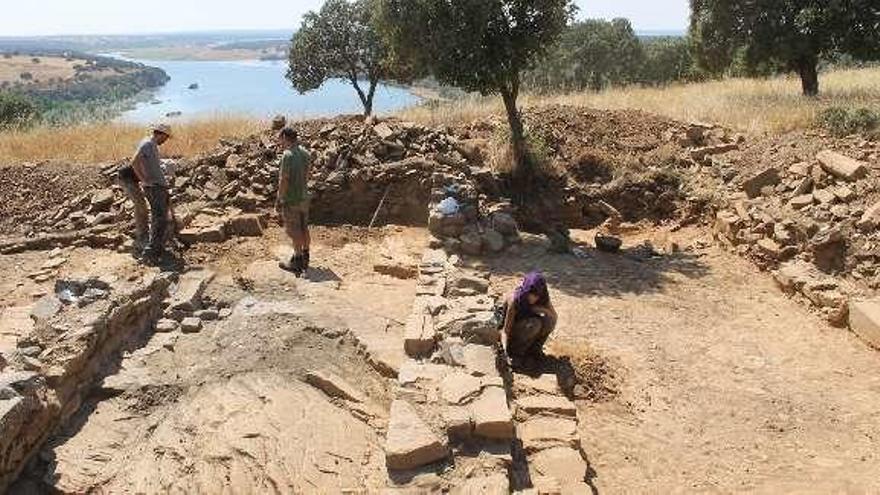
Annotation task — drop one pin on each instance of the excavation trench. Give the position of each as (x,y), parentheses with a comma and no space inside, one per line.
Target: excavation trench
(276,382)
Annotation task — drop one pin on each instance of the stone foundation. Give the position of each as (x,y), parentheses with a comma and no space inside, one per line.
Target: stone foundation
(77,345)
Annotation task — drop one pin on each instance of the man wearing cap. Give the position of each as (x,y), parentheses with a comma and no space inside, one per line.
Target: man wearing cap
(148,169)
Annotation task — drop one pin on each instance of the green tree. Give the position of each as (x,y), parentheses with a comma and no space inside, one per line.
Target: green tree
(591,54)
(16,111)
(794,32)
(667,59)
(478,45)
(340,41)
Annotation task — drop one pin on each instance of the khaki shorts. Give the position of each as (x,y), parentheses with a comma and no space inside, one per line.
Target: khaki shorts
(296,218)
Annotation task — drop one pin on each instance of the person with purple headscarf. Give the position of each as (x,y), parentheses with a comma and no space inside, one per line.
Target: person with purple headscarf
(529,318)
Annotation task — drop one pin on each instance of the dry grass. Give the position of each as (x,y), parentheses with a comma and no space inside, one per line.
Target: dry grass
(749,105)
(95,143)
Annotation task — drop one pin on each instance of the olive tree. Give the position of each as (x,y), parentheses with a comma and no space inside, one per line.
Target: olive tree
(795,32)
(340,41)
(478,45)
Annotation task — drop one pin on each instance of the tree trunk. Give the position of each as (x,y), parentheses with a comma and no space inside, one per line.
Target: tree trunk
(366,99)
(517,134)
(807,69)
(368,104)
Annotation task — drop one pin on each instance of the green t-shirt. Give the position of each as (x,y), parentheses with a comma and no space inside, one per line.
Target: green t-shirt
(295,163)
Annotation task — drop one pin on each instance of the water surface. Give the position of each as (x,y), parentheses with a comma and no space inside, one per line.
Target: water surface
(252,88)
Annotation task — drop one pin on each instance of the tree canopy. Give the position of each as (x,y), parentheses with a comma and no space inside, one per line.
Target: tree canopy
(591,54)
(340,41)
(477,45)
(794,32)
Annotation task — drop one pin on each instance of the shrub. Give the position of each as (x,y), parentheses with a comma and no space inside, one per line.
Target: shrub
(16,111)
(26,76)
(841,121)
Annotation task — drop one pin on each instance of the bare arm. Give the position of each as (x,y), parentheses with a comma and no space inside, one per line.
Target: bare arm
(283,183)
(137,164)
(509,318)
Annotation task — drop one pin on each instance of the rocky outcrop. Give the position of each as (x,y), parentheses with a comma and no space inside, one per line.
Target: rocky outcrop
(75,344)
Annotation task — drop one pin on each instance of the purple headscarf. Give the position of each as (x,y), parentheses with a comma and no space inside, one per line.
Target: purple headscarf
(534,283)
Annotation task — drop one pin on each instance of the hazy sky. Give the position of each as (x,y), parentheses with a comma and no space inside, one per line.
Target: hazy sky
(48,17)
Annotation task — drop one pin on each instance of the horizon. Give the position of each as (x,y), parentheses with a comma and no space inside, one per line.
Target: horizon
(90,18)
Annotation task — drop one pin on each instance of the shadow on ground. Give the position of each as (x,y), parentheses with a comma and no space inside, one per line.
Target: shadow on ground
(632,271)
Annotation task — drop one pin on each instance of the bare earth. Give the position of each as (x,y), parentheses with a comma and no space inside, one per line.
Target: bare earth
(725,385)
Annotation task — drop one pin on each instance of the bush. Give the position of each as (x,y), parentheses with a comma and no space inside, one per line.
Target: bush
(844,122)
(26,76)
(16,111)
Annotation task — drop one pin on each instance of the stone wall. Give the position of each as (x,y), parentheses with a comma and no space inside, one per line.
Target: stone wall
(75,339)
(451,408)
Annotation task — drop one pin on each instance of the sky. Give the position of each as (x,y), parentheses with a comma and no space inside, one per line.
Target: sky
(55,17)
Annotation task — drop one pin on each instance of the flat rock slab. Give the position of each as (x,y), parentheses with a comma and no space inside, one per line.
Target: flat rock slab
(188,296)
(564,464)
(864,320)
(497,484)
(412,372)
(491,415)
(334,386)
(554,404)
(547,383)
(842,166)
(191,325)
(480,360)
(459,388)
(411,443)
(544,432)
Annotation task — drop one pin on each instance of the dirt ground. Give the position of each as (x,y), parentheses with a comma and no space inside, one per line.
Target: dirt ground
(722,383)
(228,409)
(716,381)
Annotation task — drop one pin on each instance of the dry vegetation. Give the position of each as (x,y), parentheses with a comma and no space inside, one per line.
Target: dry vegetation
(46,69)
(95,143)
(749,105)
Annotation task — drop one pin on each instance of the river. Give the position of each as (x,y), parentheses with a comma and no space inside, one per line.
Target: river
(250,88)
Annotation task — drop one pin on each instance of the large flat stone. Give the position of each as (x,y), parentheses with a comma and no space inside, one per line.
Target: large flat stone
(334,386)
(491,414)
(413,372)
(497,484)
(188,296)
(564,464)
(842,166)
(480,360)
(547,383)
(553,404)
(753,185)
(544,432)
(248,225)
(411,443)
(864,320)
(459,388)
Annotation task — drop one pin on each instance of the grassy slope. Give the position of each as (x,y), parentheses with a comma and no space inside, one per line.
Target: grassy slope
(749,105)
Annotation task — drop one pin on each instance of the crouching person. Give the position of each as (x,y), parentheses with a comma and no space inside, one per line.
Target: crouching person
(293,199)
(529,319)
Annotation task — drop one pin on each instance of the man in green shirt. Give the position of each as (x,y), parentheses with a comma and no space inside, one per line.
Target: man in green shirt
(293,199)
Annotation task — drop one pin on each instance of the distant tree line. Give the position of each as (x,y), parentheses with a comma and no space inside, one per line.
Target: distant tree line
(595,54)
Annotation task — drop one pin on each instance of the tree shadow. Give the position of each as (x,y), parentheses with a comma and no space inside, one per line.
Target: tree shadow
(634,270)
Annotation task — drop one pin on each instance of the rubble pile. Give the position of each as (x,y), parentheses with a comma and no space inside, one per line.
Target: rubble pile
(462,223)
(811,216)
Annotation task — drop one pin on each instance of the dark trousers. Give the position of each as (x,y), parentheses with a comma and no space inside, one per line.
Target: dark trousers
(157,196)
(529,335)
